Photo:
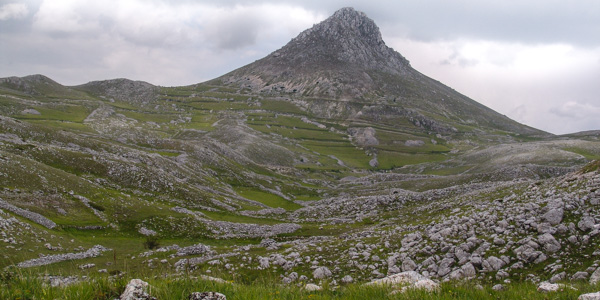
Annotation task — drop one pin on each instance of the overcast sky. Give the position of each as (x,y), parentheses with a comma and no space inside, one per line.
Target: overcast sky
(536,61)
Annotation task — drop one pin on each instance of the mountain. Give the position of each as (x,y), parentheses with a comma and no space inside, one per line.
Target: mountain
(37,85)
(331,59)
(368,168)
(345,58)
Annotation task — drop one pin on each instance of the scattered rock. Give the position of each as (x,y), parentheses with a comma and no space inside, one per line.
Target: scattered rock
(35,217)
(586,223)
(136,289)
(408,265)
(595,277)
(269,244)
(545,287)
(414,143)
(50,259)
(347,279)
(554,216)
(579,276)
(147,232)
(194,250)
(312,287)
(206,296)
(87,266)
(412,278)
(321,273)
(30,111)
(549,243)
(590,296)
(61,281)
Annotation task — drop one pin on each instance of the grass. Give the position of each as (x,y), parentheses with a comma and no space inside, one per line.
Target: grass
(281,106)
(64,125)
(587,153)
(390,160)
(591,167)
(346,152)
(27,285)
(445,171)
(71,113)
(229,217)
(148,116)
(268,199)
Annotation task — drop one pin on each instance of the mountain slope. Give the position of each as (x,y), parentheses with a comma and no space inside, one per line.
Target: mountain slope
(345,58)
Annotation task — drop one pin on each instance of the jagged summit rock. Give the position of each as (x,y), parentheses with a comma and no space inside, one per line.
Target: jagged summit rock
(348,38)
(333,58)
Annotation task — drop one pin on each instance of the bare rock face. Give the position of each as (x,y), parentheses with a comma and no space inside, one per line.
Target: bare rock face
(363,136)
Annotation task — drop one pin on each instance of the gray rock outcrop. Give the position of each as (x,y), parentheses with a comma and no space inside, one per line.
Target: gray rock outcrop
(136,289)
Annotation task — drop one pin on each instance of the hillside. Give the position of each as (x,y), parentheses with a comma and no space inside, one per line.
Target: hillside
(330,157)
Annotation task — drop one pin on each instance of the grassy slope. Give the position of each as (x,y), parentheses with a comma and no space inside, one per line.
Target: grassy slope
(56,171)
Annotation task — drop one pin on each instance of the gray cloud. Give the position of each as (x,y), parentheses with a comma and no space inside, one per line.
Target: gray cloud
(533,21)
(13,11)
(235,31)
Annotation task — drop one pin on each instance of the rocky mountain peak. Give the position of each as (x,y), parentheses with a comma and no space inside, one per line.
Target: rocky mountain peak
(347,37)
(333,59)
(347,25)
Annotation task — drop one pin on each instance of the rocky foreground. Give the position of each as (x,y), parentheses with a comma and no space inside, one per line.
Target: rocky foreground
(498,233)
(543,231)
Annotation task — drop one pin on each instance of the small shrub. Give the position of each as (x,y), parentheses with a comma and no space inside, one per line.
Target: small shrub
(151,242)
(6,276)
(368,221)
(97,206)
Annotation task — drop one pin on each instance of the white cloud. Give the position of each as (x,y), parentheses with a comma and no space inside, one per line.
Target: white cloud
(161,42)
(153,23)
(519,80)
(13,11)
(576,110)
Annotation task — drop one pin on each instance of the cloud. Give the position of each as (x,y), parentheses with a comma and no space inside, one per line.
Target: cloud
(163,42)
(522,81)
(235,30)
(242,25)
(576,110)
(13,11)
